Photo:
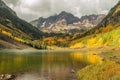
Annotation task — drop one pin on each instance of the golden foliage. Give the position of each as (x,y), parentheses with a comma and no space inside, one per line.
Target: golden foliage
(94,59)
(100,42)
(91,42)
(110,38)
(107,28)
(119,42)
(10,35)
(18,39)
(6,33)
(88,57)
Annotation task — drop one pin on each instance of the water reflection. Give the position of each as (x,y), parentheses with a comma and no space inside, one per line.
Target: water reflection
(47,65)
(86,57)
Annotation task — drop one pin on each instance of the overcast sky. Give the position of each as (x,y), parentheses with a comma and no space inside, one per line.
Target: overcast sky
(33,9)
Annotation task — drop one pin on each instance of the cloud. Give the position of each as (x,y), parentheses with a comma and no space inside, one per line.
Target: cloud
(32,9)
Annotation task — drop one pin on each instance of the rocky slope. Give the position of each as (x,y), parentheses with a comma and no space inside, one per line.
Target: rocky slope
(67,23)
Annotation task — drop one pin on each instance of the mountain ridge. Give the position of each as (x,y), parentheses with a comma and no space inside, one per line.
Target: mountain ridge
(65,22)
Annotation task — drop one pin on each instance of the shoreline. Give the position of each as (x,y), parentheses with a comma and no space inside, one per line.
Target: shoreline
(100,52)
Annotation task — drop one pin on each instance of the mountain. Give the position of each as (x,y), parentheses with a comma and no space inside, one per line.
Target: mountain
(66,23)
(91,20)
(106,33)
(113,18)
(15,32)
(69,18)
(10,19)
(4,6)
(110,22)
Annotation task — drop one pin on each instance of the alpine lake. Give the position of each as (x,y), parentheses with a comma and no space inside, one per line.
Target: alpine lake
(46,64)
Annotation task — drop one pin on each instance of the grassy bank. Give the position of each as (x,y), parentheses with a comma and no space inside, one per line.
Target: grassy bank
(108,70)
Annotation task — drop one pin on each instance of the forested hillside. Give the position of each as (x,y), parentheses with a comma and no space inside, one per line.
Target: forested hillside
(105,33)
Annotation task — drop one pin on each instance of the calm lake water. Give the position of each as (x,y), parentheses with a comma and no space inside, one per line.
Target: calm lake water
(45,65)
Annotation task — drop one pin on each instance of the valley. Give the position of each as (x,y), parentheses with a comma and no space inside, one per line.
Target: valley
(62,46)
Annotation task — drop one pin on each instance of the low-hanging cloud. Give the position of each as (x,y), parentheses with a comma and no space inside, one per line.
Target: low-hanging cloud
(32,9)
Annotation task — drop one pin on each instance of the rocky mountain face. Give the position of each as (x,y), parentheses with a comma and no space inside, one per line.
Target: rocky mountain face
(66,23)
(91,20)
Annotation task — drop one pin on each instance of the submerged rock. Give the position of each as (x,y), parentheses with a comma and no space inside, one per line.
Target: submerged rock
(7,77)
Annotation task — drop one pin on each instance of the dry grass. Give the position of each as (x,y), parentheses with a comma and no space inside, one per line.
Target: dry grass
(108,70)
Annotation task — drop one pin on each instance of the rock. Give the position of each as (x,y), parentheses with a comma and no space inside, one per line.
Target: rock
(1,77)
(7,77)
(72,71)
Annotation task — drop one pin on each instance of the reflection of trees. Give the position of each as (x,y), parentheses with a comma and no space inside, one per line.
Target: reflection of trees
(50,62)
(87,57)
